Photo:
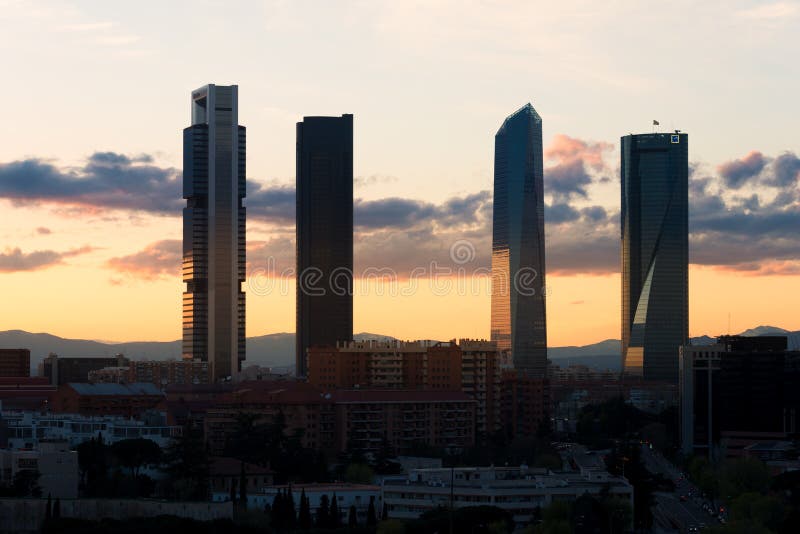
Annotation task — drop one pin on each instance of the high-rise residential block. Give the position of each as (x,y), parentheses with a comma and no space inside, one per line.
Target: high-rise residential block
(655,254)
(518,254)
(15,362)
(324,233)
(214,154)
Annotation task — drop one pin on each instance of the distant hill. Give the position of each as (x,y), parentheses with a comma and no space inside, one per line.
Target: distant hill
(277,350)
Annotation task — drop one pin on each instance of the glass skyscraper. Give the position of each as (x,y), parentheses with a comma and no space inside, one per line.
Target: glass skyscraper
(518,263)
(214,154)
(324,233)
(655,254)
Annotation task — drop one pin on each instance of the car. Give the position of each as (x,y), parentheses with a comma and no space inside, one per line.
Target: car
(693,528)
(684,498)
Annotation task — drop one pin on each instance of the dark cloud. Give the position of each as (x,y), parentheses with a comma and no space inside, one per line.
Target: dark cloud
(738,172)
(107,180)
(271,203)
(569,177)
(560,213)
(401,213)
(156,260)
(785,171)
(14,260)
(567,180)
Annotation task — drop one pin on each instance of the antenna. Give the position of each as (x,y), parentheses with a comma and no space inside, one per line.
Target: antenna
(729,323)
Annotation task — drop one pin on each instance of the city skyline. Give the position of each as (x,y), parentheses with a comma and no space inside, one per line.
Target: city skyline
(92,209)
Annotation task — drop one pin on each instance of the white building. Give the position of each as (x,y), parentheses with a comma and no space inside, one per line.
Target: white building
(520,490)
(57,467)
(26,430)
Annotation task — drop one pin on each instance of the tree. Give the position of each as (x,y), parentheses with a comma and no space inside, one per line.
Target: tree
(359,473)
(304,517)
(336,520)
(186,461)
(372,520)
(136,453)
(278,516)
(352,517)
(323,517)
(291,515)
(757,509)
(743,475)
(243,488)
(392,526)
(26,484)
(57,509)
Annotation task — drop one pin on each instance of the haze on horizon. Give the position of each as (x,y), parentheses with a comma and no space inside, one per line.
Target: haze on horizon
(97,95)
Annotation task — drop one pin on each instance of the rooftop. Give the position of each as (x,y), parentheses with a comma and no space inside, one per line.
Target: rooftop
(110,389)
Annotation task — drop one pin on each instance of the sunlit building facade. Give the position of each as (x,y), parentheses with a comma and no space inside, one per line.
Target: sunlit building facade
(518,257)
(324,233)
(655,254)
(214,153)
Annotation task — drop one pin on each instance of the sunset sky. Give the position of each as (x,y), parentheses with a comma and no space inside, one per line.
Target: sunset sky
(95,96)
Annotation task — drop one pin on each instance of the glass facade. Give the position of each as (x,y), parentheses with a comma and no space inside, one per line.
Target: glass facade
(324,233)
(655,254)
(518,257)
(214,166)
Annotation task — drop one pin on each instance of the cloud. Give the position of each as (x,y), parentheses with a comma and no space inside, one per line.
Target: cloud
(42,230)
(271,203)
(106,181)
(773,11)
(569,177)
(157,260)
(739,171)
(14,260)
(785,171)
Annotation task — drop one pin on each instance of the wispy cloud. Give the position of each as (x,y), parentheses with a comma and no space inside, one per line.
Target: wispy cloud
(773,11)
(155,261)
(14,260)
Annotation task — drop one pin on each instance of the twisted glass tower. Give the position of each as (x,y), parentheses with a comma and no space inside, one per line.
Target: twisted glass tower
(655,254)
(214,232)
(518,265)
(324,233)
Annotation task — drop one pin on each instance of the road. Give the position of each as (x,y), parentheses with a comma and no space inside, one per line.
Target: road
(671,513)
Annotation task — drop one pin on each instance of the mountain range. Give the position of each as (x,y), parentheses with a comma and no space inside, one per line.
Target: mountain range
(277,350)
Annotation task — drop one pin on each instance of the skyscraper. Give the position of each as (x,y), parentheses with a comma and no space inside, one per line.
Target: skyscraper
(655,254)
(324,233)
(214,232)
(518,265)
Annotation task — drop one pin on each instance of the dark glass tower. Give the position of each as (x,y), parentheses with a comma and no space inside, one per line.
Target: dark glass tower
(324,233)
(214,232)
(655,254)
(518,266)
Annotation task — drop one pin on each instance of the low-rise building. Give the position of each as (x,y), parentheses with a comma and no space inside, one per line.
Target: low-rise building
(31,430)
(62,371)
(523,491)
(224,472)
(56,464)
(129,400)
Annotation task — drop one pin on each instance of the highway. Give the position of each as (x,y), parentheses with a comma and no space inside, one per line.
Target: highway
(671,513)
